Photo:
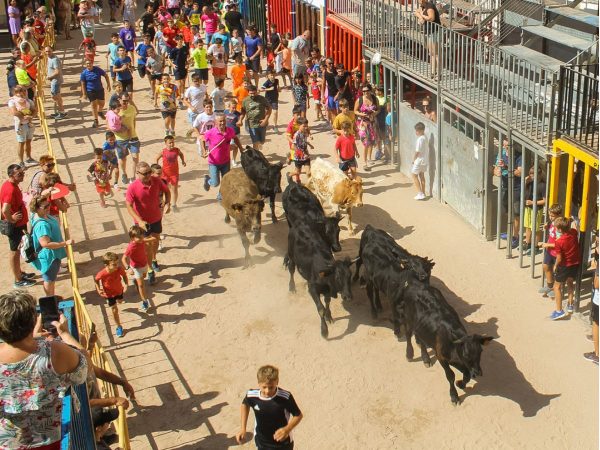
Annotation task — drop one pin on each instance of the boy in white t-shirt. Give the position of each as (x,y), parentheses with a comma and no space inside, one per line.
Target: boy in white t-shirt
(194,99)
(420,161)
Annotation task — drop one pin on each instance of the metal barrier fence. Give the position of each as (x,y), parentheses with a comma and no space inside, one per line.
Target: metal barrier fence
(512,89)
(577,114)
(84,322)
(255,13)
(348,10)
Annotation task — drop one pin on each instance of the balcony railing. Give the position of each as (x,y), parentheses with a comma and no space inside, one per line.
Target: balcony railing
(577,112)
(348,10)
(511,89)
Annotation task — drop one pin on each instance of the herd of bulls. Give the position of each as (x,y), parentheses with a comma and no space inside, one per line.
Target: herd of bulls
(387,267)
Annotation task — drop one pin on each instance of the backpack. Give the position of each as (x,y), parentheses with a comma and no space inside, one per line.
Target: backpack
(27,247)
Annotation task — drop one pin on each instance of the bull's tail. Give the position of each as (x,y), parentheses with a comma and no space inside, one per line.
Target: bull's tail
(286,261)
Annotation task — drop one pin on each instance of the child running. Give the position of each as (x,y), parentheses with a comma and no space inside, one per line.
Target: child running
(301,144)
(88,45)
(271,89)
(136,262)
(112,54)
(346,151)
(300,93)
(275,410)
(112,153)
(232,116)
(101,172)
(109,285)
(170,167)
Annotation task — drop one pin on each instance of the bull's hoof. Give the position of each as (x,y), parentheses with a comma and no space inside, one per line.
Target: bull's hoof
(227,219)
(292,289)
(324,332)
(409,354)
(455,401)
(461,384)
(427,363)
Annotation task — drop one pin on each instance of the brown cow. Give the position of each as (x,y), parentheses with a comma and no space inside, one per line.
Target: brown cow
(333,187)
(241,200)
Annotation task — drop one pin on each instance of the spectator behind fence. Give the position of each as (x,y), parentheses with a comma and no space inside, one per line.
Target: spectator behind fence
(428,15)
(35,370)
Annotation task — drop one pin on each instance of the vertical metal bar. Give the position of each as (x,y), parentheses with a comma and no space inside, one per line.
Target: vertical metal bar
(499,198)
(569,190)
(509,228)
(534,221)
(524,169)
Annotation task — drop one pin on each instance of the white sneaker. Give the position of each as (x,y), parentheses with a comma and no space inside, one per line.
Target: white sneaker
(420,196)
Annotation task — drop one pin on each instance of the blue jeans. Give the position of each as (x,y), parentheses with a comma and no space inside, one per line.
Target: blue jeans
(215,172)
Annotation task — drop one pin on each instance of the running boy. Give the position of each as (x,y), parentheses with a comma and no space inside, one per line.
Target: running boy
(109,285)
(142,52)
(170,167)
(271,89)
(112,53)
(101,171)
(275,411)
(301,144)
(135,261)
(122,67)
(128,37)
(232,116)
(568,259)
(346,151)
(111,153)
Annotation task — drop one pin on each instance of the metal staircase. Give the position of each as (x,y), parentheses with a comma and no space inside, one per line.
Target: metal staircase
(497,28)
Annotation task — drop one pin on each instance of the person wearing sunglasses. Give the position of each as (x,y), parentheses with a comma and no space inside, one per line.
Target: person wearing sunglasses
(47,165)
(47,241)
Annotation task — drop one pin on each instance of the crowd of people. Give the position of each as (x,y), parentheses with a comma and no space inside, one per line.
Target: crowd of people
(187,51)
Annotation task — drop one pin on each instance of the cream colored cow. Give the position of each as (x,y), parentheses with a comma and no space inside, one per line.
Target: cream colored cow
(333,187)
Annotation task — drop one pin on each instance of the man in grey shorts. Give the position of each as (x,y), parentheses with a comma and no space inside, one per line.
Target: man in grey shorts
(55,77)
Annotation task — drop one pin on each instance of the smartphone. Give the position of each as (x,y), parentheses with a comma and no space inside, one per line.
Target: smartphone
(50,313)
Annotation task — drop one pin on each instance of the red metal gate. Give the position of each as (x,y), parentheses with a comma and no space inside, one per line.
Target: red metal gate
(344,43)
(279,12)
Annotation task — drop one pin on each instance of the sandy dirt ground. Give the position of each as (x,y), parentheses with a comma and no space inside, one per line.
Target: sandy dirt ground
(213,323)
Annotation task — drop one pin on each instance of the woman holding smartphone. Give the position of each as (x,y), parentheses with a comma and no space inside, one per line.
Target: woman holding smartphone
(34,372)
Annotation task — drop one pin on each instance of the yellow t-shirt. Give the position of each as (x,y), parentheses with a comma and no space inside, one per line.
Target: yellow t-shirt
(127,119)
(340,119)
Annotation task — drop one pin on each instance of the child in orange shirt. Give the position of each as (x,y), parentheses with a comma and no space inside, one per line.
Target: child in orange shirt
(238,72)
(241,93)
(286,62)
(170,167)
(109,284)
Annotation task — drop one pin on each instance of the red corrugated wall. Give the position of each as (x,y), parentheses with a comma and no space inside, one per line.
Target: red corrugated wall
(279,13)
(344,43)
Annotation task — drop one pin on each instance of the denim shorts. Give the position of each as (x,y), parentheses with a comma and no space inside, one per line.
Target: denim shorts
(191,116)
(54,87)
(25,132)
(52,272)
(131,145)
(258,134)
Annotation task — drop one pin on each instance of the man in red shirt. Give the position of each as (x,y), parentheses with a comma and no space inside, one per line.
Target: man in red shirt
(346,151)
(14,213)
(143,205)
(567,263)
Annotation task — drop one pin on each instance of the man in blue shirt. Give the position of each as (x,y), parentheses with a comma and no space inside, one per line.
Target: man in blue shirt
(142,51)
(91,88)
(254,46)
(123,70)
